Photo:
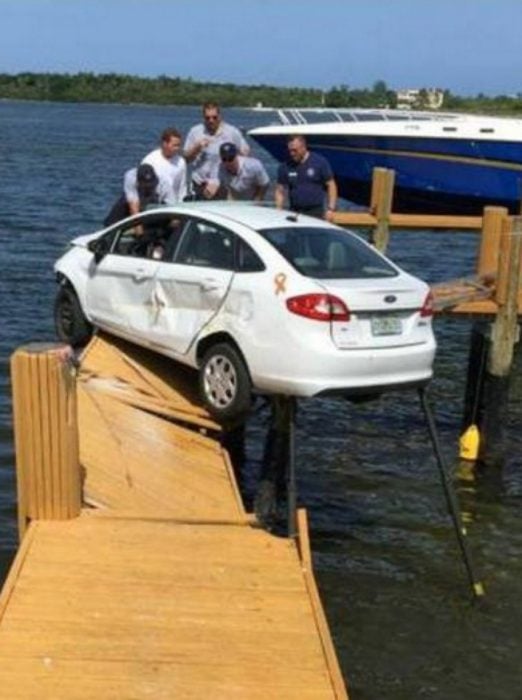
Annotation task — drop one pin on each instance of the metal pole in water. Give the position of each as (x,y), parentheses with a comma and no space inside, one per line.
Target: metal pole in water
(477,588)
(291,476)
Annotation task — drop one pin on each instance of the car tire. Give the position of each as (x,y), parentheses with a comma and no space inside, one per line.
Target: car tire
(224,383)
(71,325)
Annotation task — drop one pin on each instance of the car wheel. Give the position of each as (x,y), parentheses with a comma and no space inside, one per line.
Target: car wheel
(224,383)
(71,325)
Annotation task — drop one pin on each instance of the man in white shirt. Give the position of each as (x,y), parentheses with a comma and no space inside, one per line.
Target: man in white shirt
(170,166)
(202,150)
(243,177)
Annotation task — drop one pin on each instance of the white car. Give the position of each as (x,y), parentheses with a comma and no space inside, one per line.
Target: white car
(255,298)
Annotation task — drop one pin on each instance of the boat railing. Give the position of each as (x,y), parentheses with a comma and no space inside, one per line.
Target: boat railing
(300,116)
(313,115)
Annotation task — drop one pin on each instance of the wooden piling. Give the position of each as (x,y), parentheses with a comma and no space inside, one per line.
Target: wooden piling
(45,427)
(381,205)
(505,328)
(504,335)
(492,222)
(378,176)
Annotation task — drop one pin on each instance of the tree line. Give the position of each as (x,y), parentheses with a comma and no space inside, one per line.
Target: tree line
(165,90)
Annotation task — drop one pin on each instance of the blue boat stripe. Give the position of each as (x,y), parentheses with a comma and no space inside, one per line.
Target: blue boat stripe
(422,154)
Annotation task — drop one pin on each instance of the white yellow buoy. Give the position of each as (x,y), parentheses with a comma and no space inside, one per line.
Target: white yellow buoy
(469,444)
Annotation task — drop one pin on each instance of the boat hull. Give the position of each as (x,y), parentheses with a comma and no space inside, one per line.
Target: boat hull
(458,176)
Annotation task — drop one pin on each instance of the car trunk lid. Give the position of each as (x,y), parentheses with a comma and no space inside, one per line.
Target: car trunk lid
(387,315)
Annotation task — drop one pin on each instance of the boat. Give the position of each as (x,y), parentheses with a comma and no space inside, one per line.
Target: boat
(444,162)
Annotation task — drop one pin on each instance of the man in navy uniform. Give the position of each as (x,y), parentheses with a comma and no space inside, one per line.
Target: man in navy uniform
(308,180)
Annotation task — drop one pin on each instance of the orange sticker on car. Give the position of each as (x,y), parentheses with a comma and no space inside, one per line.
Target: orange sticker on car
(280,283)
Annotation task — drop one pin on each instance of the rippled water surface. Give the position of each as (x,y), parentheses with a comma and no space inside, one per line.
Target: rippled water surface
(386,560)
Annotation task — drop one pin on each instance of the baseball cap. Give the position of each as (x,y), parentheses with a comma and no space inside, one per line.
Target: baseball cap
(228,151)
(146,175)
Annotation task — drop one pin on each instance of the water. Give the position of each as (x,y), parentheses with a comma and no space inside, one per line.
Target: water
(386,561)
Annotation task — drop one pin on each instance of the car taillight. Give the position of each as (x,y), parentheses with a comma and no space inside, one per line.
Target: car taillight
(427,307)
(320,307)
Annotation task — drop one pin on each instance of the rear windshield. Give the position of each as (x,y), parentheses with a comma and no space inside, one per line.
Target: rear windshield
(327,253)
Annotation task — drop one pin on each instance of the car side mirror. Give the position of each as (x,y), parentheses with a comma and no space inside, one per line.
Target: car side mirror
(99,248)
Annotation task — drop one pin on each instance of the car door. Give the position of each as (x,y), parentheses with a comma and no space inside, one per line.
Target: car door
(193,286)
(120,292)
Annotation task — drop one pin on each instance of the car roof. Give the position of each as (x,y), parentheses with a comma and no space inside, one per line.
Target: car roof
(253,215)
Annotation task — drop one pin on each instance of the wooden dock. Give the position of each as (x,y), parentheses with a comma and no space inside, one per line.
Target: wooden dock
(491,295)
(159,585)
(484,291)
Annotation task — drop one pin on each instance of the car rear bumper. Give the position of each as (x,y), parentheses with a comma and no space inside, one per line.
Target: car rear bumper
(349,371)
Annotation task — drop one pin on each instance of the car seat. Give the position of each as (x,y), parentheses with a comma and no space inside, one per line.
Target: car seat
(336,256)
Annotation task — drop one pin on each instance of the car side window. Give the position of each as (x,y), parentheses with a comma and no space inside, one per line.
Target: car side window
(126,240)
(153,237)
(104,243)
(207,245)
(247,259)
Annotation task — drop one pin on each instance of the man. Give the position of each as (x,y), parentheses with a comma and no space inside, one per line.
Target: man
(202,150)
(308,179)
(242,177)
(170,167)
(141,187)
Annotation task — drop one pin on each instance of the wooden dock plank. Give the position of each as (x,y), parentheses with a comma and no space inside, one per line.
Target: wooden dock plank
(51,679)
(148,375)
(134,460)
(411,221)
(485,306)
(157,609)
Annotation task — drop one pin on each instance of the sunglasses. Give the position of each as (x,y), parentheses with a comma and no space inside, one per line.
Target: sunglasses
(228,160)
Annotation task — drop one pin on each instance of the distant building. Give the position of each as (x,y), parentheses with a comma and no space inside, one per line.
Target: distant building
(423,98)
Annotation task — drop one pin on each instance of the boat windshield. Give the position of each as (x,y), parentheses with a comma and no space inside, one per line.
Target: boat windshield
(328,253)
(318,115)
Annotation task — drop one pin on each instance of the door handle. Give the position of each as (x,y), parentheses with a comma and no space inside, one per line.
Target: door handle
(209,284)
(139,274)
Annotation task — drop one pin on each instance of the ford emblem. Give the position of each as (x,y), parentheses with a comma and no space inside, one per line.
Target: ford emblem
(390,298)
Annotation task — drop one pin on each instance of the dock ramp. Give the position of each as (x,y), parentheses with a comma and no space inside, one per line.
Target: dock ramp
(162,586)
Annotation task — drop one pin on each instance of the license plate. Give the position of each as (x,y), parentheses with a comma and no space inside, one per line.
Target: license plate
(386,325)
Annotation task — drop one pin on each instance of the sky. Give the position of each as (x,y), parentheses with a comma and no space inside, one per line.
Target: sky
(466,46)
